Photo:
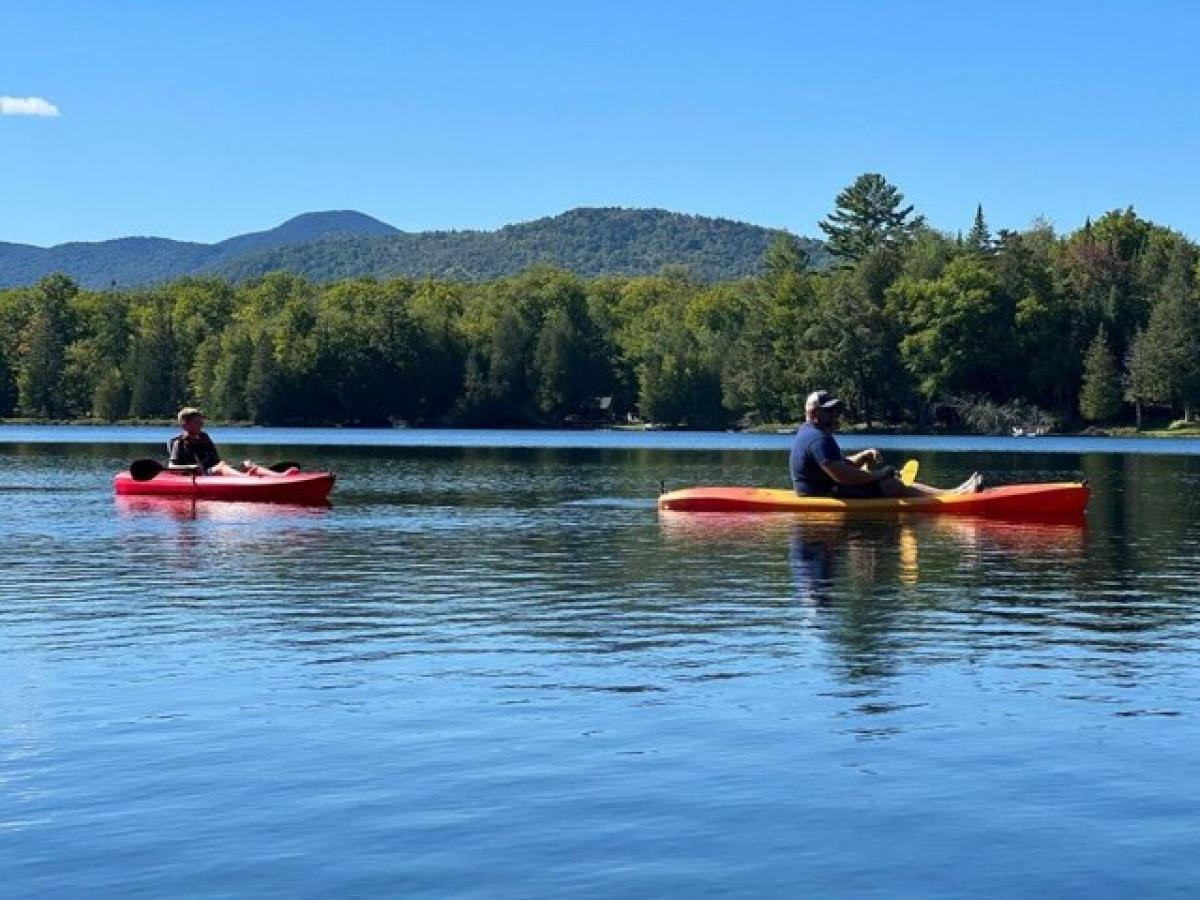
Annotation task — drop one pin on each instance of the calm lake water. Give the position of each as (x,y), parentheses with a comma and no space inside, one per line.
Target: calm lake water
(492,669)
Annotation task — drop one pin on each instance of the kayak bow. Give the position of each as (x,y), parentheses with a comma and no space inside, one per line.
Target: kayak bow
(1012,501)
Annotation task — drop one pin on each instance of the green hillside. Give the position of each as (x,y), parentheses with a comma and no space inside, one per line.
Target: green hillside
(343,244)
(586,241)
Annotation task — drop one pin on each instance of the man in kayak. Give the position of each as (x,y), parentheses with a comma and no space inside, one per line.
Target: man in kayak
(192,448)
(820,470)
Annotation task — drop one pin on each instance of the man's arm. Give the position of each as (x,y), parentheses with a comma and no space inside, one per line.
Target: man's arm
(828,456)
(178,453)
(865,457)
(842,471)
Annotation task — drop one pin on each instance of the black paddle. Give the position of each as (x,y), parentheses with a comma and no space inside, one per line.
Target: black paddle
(147,469)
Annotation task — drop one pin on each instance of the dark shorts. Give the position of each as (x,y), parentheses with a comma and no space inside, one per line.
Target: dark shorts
(872,491)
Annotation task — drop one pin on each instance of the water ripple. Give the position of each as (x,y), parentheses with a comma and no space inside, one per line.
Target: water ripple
(502,673)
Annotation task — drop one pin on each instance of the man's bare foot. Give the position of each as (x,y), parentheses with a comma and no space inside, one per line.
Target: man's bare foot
(251,468)
(972,485)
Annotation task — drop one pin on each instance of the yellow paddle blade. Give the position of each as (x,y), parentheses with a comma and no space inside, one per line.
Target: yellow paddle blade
(908,472)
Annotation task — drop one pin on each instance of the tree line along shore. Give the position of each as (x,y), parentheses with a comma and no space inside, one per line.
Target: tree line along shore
(983,332)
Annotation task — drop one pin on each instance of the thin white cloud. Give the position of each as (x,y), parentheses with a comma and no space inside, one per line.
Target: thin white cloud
(27,106)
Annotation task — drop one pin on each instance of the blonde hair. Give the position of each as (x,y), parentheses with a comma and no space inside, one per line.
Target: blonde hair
(188,413)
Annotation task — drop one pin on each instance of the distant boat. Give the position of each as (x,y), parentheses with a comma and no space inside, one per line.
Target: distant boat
(1018,431)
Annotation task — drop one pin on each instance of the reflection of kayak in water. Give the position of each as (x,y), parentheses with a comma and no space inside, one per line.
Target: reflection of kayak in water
(1013,501)
(187,508)
(1037,536)
(830,554)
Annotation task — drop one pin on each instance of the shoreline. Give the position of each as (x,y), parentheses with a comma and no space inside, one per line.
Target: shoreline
(1119,431)
(779,428)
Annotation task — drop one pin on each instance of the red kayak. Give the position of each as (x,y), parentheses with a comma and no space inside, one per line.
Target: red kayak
(303,487)
(1013,501)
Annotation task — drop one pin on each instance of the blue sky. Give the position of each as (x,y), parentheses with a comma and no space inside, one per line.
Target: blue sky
(203,120)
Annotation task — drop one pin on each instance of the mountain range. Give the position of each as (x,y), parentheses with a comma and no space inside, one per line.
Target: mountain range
(328,246)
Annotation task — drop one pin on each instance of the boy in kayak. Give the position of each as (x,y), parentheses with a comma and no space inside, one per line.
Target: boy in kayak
(820,470)
(193,447)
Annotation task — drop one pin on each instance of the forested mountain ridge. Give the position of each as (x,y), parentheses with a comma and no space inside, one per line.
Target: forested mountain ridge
(126,261)
(330,246)
(300,229)
(134,261)
(586,241)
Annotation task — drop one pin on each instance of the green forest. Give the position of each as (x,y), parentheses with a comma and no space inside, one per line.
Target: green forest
(977,331)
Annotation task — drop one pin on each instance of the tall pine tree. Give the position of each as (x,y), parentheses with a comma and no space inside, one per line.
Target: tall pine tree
(1100,396)
(870,214)
(154,382)
(979,239)
(43,349)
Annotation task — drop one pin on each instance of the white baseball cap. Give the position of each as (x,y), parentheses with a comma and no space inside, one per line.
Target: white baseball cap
(822,400)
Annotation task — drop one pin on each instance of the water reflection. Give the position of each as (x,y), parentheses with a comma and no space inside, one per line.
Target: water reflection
(865,553)
(872,556)
(887,593)
(173,541)
(185,509)
(497,649)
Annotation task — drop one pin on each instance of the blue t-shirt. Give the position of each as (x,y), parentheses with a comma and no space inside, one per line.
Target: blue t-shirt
(811,448)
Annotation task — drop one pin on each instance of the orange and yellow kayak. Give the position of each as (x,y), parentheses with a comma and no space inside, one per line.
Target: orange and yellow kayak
(1012,501)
